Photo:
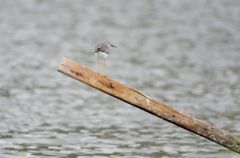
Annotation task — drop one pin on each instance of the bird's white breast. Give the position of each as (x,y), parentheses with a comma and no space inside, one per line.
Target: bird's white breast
(102,54)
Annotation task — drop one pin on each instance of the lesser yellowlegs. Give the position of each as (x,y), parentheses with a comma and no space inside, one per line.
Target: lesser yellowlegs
(102,50)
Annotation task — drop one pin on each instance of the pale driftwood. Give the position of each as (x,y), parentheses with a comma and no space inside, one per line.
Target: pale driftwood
(137,99)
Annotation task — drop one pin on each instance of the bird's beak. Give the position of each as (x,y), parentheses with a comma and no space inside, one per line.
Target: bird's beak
(113,46)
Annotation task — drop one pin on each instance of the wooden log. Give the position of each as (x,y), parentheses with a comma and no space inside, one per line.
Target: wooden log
(137,99)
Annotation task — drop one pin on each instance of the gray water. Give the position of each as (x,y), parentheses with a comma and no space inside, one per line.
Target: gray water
(183,53)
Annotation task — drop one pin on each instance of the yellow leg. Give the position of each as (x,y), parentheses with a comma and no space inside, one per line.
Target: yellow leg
(105,67)
(98,62)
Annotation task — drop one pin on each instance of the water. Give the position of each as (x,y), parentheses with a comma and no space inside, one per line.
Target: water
(183,53)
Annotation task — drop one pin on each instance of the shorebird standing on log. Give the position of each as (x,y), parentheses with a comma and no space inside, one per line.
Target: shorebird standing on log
(102,50)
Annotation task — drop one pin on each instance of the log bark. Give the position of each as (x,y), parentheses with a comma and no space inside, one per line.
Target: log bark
(139,100)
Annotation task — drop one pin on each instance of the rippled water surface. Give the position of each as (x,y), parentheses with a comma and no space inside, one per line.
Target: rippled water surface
(183,53)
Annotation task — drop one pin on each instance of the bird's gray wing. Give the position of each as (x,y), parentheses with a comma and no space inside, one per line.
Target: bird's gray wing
(104,47)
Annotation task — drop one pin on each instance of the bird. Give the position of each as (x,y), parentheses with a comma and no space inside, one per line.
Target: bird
(102,50)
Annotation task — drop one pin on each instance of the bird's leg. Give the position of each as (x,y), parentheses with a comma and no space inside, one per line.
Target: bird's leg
(98,62)
(105,67)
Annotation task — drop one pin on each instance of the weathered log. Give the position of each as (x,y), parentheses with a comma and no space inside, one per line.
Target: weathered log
(137,99)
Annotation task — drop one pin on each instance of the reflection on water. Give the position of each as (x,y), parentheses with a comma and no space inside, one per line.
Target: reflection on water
(185,54)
